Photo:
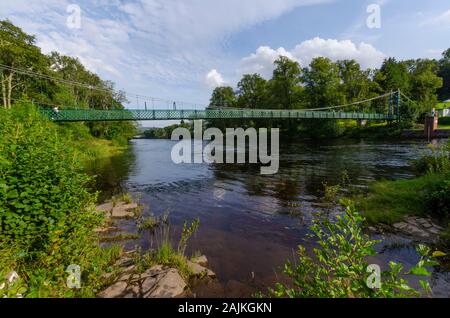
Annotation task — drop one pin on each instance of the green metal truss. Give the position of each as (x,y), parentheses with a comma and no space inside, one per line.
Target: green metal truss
(71,115)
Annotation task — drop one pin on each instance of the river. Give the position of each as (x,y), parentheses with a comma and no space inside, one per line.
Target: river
(250,223)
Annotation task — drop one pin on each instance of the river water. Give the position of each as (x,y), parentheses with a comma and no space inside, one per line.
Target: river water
(251,224)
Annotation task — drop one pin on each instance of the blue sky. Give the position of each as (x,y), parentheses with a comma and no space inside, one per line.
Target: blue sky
(182,49)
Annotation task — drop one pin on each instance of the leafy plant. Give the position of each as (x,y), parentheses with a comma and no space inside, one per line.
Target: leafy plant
(339,267)
(186,234)
(330,193)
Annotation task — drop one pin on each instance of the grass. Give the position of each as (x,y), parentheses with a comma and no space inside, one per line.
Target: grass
(166,255)
(120,237)
(149,223)
(389,201)
(442,105)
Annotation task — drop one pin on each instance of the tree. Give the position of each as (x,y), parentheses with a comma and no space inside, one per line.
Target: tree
(251,91)
(424,84)
(356,84)
(223,97)
(284,87)
(17,51)
(322,83)
(393,75)
(444,73)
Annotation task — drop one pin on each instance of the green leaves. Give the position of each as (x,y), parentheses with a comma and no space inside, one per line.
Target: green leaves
(339,267)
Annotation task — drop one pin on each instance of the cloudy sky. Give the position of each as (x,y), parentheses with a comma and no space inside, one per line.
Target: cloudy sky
(182,49)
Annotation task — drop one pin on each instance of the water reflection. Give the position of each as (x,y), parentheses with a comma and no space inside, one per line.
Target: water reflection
(251,223)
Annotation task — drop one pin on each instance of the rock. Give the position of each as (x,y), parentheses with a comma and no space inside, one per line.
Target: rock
(122,210)
(424,223)
(105,207)
(201,260)
(434,230)
(169,285)
(106,229)
(125,262)
(199,270)
(415,231)
(118,289)
(154,270)
(400,225)
(106,276)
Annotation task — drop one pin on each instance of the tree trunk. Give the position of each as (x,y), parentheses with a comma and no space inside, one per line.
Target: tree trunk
(10,78)
(3,91)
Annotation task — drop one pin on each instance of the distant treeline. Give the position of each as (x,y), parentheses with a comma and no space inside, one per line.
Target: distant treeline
(164,133)
(326,83)
(55,80)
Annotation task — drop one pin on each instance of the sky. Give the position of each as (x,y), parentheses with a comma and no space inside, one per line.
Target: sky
(182,49)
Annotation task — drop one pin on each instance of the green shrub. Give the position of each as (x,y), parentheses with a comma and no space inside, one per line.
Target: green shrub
(438,161)
(339,268)
(43,193)
(438,199)
(47,216)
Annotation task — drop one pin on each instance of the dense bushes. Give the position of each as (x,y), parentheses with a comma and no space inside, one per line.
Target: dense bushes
(46,211)
(437,161)
(438,199)
(41,187)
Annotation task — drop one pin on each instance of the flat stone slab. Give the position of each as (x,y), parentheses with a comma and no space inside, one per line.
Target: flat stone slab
(122,210)
(115,290)
(418,227)
(155,282)
(105,207)
(169,286)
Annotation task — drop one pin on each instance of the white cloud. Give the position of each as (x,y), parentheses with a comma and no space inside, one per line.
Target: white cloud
(214,79)
(363,53)
(146,43)
(442,19)
(262,60)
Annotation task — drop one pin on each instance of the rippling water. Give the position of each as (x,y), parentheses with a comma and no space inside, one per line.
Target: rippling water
(249,223)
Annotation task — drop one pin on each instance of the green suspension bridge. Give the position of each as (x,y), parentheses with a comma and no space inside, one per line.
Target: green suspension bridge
(333,112)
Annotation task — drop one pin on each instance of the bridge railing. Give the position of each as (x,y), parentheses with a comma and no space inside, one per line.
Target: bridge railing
(166,114)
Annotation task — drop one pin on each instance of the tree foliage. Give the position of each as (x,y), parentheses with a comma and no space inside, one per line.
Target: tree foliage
(339,267)
(55,80)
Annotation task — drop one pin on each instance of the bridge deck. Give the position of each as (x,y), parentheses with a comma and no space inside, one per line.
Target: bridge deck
(67,115)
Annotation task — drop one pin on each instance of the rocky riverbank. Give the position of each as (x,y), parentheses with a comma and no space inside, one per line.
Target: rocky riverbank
(418,229)
(136,274)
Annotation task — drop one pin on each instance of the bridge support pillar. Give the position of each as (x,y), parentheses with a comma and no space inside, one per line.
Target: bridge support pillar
(431,125)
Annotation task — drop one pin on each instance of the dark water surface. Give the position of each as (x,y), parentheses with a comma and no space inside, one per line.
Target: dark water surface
(250,223)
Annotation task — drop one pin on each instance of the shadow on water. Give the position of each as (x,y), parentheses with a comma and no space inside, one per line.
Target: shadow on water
(251,223)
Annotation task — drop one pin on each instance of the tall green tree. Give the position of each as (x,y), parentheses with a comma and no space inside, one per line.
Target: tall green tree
(356,83)
(18,51)
(393,75)
(223,97)
(322,83)
(424,84)
(284,87)
(444,73)
(251,91)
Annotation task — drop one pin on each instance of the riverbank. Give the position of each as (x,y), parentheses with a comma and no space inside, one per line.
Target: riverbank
(418,207)
(48,244)
(161,271)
